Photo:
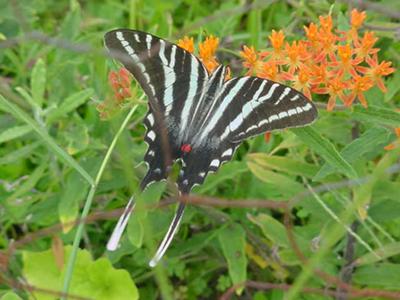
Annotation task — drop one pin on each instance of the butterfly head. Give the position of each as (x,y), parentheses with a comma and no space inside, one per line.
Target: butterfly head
(186,148)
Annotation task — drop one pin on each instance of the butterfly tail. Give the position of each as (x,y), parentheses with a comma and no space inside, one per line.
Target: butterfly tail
(169,236)
(120,227)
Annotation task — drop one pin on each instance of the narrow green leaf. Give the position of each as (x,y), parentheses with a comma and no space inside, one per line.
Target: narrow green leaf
(151,195)
(282,163)
(233,242)
(384,275)
(29,184)
(14,132)
(22,152)
(38,82)
(385,252)
(375,114)
(227,171)
(27,97)
(70,104)
(326,149)
(367,142)
(287,186)
(21,115)
(74,193)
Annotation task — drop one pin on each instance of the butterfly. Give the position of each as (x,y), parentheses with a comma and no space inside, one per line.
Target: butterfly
(196,117)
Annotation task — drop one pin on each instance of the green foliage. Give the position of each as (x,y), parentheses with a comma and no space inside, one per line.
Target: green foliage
(94,279)
(59,161)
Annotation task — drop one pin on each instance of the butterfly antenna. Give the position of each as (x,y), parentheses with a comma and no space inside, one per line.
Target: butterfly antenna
(113,242)
(169,236)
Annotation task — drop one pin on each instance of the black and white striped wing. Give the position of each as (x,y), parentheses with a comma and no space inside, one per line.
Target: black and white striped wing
(172,79)
(244,107)
(259,106)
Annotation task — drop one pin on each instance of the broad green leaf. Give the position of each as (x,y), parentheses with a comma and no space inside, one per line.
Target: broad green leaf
(326,149)
(287,186)
(10,296)
(233,242)
(385,252)
(385,275)
(367,142)
(92,279)
(21,115)
(150,196)
(75,191)
(393,86)
(38,82)
(14,132)
(284,164)
(69,104)
(375,114)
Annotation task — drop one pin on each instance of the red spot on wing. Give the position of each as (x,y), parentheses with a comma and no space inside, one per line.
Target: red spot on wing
(186,148)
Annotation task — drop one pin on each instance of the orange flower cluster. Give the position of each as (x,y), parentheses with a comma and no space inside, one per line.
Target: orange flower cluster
(343,65)
(120,83)
(207,50)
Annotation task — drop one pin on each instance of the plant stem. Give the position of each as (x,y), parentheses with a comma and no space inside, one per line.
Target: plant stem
(88,203)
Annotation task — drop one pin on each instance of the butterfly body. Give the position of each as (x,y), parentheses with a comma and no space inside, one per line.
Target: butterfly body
(197,117)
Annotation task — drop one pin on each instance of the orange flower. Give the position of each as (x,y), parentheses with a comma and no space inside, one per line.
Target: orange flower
(276,38)
(357,18)
(365,46)
(326,23)
(377,70)
(120,83)
(251,60)
(334,88)
(301,82)
(358,86)
(270,70)
(187,44)
(346,63)
(296,54)
(207,51)
(312,33)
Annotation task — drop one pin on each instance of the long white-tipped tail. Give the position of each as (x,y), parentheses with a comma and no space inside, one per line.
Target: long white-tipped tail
(113,242)
(169,236)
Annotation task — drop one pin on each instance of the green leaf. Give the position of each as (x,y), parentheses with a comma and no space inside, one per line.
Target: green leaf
(287,186)
(375,114)
(10,296)
(284,164)
(38,82)
(92,279)
(227,171)
(27,97)
(233,242)
(21,115)
(385,275)
(74,193)
(326,149)
(30,183)
(367,142)
(151,195)
(384,252)
(14,132)
(70,104)
(22,152)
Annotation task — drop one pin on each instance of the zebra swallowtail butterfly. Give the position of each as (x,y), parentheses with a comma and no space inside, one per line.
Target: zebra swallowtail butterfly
(196,117)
